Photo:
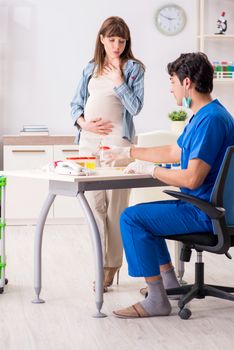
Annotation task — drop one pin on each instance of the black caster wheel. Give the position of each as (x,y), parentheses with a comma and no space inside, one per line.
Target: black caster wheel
(1,290)
(6,281)
(185,314)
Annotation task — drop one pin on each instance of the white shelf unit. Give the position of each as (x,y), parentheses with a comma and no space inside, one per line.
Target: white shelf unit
(224,81)
(215,37)
(218,47)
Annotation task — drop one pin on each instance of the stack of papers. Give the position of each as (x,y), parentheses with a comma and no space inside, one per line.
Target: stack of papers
(28,130)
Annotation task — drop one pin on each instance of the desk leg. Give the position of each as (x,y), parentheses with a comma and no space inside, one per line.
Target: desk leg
(37,246)
(179,265)
(95,236)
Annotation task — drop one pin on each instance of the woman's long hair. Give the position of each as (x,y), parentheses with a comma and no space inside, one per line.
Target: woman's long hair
(113,26)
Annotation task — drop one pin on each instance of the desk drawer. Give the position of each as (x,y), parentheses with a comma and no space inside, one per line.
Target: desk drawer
(25,197)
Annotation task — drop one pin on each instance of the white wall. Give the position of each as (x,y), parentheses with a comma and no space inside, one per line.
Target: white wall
(44,44)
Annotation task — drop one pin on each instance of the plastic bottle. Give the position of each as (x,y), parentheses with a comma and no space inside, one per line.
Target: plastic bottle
(219,71)
(176,165)
(214,64)
(231,70)
(224,65)
(86,162)
(102,150)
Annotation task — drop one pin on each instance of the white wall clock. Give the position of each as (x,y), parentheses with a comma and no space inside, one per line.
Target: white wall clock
(170,19)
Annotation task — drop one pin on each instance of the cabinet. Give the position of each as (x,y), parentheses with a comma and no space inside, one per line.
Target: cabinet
(218,47)
(25,197)
(66,207)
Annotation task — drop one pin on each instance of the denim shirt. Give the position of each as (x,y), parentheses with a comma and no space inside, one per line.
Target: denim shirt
(130,93)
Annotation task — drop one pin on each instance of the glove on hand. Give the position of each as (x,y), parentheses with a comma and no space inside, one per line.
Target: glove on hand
(115,153)
(140,167)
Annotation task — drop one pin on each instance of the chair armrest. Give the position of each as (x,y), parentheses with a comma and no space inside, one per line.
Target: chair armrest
(209,209)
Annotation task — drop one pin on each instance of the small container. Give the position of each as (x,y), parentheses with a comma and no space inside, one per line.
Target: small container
(175,166)
(231,70)
(215,63)
(165,165)
(168,165)
(86,162)
(218,70)
(102,150)
(224,65)
(78,160)
(90,163)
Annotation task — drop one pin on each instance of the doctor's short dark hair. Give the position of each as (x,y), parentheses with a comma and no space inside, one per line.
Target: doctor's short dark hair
(195,66)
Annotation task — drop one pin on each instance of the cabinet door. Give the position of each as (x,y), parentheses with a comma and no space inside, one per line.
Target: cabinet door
(25,197)
(66,207)
(64,151)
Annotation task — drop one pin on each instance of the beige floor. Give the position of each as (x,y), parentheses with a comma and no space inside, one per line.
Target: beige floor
(64,322)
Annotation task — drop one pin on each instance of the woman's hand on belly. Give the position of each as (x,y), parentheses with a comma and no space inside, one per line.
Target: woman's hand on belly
(97,126)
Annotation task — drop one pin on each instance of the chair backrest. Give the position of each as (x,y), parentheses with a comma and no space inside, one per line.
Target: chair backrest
(223,192)
(156,138)
(222,196)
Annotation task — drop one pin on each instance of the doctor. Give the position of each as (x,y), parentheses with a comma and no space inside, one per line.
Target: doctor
(200,149)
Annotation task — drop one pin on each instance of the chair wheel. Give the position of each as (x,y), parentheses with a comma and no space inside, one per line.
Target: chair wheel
(6,281)
(1,290)
(185,314)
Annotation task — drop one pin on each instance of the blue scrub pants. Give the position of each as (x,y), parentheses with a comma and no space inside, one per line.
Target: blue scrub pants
(143,227)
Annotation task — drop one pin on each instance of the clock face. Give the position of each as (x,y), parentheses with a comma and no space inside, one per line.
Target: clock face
(170,19)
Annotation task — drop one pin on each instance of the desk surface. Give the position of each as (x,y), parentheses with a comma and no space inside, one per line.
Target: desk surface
(102,174)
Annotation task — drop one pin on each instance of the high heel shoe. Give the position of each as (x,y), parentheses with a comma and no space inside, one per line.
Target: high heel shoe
(109,274)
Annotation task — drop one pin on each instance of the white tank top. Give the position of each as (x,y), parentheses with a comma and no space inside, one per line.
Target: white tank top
(102,102)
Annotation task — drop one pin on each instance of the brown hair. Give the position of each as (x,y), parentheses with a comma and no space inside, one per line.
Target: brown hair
(196,67)
(113,26)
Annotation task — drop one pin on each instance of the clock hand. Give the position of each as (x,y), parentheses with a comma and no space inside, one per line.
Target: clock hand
(169,18)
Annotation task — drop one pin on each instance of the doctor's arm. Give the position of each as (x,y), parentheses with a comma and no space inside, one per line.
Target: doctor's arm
(191,178)
(160,154)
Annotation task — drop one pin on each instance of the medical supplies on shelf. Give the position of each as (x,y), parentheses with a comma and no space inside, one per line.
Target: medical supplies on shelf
(223,70)
(169,165)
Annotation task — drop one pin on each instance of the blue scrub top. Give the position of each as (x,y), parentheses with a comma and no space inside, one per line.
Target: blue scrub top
(207,136)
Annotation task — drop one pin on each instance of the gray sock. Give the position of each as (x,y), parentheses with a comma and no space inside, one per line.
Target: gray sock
(169,279)
(156,303)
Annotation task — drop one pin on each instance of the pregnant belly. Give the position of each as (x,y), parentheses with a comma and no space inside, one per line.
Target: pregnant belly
(107,108)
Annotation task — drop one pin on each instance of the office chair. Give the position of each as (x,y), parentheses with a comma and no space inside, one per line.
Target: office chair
(221,211)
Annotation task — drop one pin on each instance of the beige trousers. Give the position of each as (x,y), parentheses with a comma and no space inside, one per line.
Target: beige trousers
(107,207)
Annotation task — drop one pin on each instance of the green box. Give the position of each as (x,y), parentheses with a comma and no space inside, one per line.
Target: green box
(2,183)
(2,266)
(2,225)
